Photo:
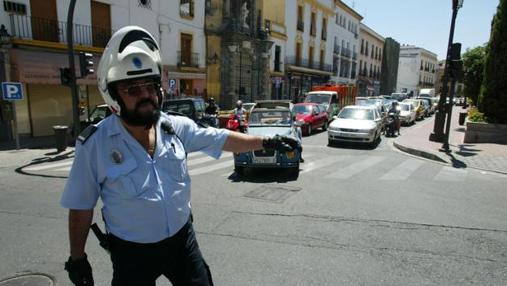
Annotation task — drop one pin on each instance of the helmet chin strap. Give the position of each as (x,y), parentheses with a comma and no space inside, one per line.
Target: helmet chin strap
(155,116)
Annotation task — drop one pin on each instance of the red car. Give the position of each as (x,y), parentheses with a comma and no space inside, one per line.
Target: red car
(311,116)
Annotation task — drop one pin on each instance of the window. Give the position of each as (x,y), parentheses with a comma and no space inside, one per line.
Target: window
(310,57)
(322,57)
(366,50)
(298,54)
(324,29)
(187,8)
(313,28)
(362,46)
(360,67)
(300,23)
(16,8)
(278,51)
(372,50)
(145,3)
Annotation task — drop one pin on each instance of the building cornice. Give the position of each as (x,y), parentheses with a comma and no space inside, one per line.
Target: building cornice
(55,46)
(368,30)
(351,11)
(315,3)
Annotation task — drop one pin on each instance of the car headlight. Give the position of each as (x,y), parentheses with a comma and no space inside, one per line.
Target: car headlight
(333,128)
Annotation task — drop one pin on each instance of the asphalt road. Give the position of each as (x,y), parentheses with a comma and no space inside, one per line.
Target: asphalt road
(354,216)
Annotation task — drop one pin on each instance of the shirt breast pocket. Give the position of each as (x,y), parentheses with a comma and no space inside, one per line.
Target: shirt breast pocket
(175,161)
(119,179)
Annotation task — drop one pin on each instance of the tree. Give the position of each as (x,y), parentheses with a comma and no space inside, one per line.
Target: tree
(473,67)
(494,96)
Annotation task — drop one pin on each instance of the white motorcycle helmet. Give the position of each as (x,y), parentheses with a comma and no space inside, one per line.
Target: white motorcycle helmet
(131,53)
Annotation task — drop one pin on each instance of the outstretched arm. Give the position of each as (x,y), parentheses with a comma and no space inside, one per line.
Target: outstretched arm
(240,142)
(79,226)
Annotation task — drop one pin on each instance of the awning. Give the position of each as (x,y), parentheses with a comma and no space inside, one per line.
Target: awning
(185,75)
(308,71)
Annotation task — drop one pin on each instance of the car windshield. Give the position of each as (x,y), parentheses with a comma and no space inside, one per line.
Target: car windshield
(318,98)
(181,107)
(404,107)
(355,113)
(302,109)
(270,117)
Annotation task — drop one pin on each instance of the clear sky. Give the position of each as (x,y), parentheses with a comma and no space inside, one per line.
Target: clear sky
(426,23)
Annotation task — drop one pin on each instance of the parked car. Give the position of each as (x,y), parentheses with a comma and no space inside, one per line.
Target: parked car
(100,112)
(418,106)
(356,124)
(429,103)
(192,107)
(407,113)
(310,116)
(270,118)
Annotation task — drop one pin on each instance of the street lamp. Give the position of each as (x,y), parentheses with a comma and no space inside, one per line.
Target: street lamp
(438,128)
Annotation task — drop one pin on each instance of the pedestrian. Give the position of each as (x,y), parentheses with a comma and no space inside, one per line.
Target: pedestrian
(135,161)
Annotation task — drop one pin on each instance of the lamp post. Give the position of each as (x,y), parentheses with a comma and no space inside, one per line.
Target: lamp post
(438,128)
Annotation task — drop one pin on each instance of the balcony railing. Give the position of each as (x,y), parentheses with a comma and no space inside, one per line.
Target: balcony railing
(305,63)
(187,59)
(346,52)
(34,28)
(337,49)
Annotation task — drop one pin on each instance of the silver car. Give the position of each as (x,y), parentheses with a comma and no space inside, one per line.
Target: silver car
(356,124)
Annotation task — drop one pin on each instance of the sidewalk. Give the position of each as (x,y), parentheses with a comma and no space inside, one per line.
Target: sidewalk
(483,156)
(31,150)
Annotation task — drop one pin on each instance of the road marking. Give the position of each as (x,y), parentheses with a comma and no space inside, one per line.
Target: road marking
(211,168)
(351,170)
(451,174)
(48,166)
(403,170)
(207,159)
(321,163)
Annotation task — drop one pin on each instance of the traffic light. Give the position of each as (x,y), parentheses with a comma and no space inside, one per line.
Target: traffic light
(456,64)
(65,76)
(86,64)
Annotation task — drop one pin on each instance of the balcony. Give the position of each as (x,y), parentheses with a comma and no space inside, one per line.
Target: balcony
(305,63)
(187,59)
(301,25)
(337,49)
(346,52)
(34,28)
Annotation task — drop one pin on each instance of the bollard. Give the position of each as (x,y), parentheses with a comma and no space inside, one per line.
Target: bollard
(61,137)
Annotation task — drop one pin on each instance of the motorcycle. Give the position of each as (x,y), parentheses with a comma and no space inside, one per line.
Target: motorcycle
(210,120)
(391,126)
(236,124)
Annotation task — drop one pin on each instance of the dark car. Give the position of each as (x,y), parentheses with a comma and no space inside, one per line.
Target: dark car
(192,107)
(100,112)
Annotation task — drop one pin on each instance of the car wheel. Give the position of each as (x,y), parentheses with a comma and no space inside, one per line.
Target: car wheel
(240,170)
(324,128)
(309,130)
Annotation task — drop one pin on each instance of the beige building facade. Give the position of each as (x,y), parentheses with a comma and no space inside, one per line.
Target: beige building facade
(371,46)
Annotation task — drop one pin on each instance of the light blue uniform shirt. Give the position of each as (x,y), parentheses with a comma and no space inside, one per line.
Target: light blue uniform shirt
(145,199)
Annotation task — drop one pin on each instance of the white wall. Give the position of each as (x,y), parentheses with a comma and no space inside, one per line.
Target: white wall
(408,73)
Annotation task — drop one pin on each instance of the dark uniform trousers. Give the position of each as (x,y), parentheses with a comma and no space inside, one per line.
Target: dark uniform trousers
(178,258)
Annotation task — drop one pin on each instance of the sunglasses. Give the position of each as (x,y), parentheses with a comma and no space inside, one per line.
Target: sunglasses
(136,90)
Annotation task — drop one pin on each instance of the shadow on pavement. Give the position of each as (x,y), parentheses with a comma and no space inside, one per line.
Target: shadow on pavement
(265,175)
(43,160)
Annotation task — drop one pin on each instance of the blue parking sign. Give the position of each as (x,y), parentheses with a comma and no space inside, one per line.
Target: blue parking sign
(12,91)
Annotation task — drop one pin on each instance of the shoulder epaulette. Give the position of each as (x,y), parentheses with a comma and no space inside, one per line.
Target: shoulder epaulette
(86,133)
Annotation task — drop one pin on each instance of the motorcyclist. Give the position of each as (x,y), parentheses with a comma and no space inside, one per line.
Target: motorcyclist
(239,114)
(394,109)
(212,111)
(212,108)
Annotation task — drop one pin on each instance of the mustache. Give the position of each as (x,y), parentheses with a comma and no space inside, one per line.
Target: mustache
(146,100)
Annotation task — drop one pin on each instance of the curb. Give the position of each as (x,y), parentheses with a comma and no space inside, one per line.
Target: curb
(431,156)
(419,153)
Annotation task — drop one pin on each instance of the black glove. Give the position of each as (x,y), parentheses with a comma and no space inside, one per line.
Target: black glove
(280,143)
(80,271)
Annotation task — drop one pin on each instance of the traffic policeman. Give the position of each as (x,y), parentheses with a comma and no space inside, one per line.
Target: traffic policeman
(135,161)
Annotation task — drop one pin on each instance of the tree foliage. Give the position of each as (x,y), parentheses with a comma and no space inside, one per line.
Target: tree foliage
(473,66)
(494,96)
